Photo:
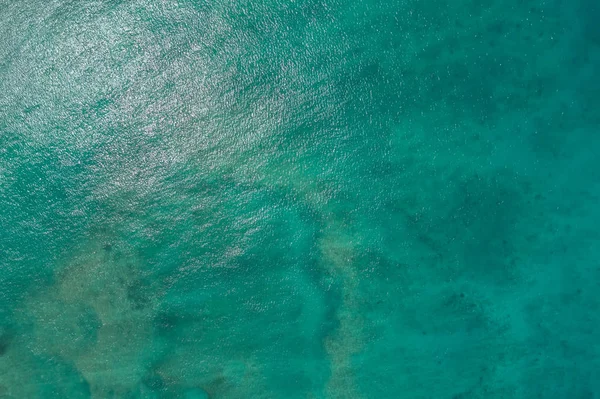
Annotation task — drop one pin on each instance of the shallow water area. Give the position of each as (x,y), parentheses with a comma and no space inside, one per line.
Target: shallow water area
(308,199)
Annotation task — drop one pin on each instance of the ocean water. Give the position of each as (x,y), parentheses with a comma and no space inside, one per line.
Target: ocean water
(300,199)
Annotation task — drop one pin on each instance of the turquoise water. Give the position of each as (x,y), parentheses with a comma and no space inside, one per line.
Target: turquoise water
(300,199)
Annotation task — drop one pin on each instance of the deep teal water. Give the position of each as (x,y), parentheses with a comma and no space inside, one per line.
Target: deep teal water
(300,199)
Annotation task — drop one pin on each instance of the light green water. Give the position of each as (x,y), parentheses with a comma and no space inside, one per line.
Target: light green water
(299,199)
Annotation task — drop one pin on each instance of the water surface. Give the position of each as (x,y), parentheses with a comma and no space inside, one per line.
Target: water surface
(299,199)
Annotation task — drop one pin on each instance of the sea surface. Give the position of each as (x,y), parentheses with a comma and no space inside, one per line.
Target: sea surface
(300,199)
